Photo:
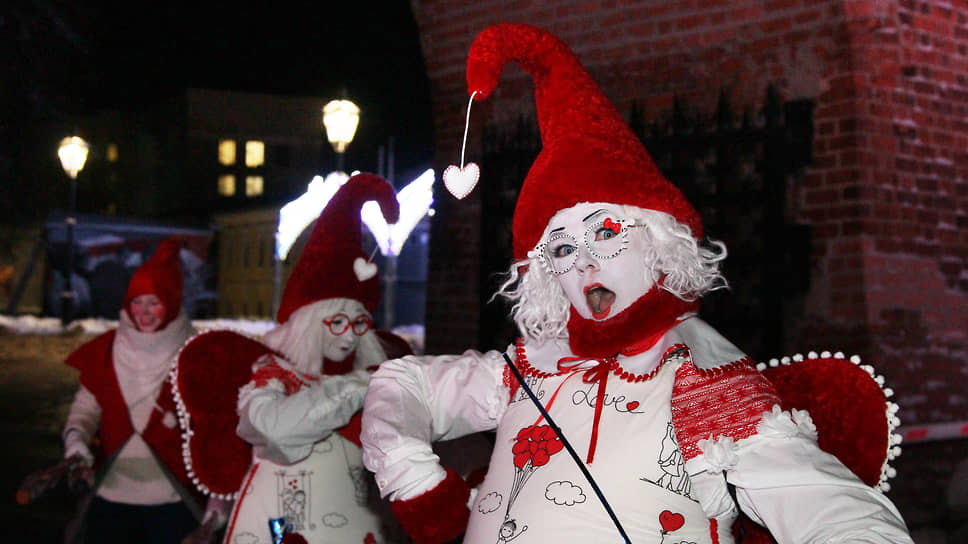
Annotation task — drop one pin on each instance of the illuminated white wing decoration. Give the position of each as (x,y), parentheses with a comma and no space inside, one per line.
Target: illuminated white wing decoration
(415,200)
(295,216)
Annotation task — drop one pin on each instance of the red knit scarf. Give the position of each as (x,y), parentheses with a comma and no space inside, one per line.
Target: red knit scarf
(633,330)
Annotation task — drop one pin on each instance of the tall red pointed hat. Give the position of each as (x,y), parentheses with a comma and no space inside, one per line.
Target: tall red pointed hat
(160,275)
(333,264)
(589,154)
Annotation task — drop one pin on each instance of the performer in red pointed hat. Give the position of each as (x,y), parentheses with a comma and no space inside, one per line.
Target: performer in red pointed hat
(300,408)
(642,415)
(143,493)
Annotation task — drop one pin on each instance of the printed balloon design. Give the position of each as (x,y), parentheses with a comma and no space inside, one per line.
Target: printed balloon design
(535,445)
(533,448)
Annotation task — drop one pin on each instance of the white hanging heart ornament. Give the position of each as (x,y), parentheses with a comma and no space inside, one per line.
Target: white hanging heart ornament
(363,269)
(461,181)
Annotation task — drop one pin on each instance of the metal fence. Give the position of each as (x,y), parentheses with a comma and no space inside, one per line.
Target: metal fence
(735,167)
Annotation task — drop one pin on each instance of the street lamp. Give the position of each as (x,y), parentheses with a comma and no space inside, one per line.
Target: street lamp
(340,118)
(73,154)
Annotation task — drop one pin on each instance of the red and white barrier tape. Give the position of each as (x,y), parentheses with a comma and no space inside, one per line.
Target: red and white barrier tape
(931,432)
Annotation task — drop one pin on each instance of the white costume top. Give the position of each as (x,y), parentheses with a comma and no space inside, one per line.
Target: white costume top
(141,361)
(652,456)
(302,469)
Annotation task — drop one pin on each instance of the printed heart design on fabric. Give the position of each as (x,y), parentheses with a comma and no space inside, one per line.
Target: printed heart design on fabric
(363,269)
(671,521)
(632,405)
(461,181)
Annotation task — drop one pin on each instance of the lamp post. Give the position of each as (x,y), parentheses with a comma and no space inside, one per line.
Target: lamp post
(340,118)
(73,154)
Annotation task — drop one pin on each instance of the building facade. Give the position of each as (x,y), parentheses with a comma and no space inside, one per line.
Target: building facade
(207,159)
(205,151)
(885,196)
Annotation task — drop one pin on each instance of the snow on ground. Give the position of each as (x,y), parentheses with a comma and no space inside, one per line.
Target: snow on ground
(27,324)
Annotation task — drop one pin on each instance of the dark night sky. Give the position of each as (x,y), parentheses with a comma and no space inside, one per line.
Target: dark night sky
(63,58)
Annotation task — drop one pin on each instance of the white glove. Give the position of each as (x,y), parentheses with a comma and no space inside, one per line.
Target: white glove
(75,444)
(218,511)
(216,514)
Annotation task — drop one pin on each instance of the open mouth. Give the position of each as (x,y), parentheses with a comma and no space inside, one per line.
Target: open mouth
(599,300)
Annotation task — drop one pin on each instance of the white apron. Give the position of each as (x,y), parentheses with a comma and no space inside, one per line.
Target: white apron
(324,497)
(535,493)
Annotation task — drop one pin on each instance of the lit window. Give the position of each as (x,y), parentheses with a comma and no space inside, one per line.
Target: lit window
(226,152)
(253,185)
(112,153)
(226,185)
(255,153)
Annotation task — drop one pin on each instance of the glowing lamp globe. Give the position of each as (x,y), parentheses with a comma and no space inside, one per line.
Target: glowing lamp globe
(340,117)
(73,154)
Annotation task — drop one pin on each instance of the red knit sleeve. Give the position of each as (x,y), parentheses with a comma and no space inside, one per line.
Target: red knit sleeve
(729,400)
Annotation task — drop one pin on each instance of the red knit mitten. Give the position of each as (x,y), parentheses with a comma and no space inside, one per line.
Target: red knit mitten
(294,538)
(439,515)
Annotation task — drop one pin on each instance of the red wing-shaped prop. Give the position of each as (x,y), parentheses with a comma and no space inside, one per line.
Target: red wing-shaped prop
(848,404)
(206,377)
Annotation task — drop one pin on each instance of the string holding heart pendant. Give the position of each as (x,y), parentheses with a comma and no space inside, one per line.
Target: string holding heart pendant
(364,269)
(461,181)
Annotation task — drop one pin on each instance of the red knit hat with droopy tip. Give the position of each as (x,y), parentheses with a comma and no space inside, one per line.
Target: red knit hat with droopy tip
(589,154)
(333,263)
(160,275)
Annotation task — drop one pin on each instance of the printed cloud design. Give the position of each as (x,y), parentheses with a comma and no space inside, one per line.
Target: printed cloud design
(564,493)
(334,519)
(245,538)
(489,503)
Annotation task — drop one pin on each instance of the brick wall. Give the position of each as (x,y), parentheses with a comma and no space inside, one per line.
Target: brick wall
(886,195)
(888,191)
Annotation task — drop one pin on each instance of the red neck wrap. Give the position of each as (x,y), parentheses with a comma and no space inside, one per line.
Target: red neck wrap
(634,330)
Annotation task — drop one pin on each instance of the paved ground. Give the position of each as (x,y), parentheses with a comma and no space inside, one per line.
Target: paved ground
(35,393)
(36,390)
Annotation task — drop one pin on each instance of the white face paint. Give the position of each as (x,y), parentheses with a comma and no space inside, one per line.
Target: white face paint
(597,257)
(353,321)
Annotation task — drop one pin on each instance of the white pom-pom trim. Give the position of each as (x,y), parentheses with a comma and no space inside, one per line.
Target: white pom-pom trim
(184,418)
